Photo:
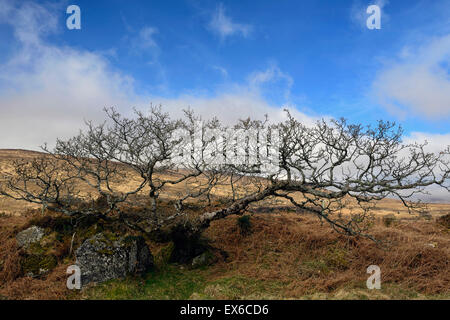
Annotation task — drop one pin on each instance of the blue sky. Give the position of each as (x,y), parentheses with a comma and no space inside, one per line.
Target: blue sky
(231,58)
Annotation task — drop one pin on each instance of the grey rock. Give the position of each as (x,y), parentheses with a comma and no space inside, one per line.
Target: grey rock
(29,236)
(104,257)
(205,259)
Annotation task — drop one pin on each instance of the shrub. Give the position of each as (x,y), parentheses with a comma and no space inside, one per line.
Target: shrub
(38,264)
(444,220)
(162,257)
(388,220)
(244,224)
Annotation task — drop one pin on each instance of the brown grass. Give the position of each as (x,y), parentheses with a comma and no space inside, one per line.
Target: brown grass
(12,283)
(306,257)
(9,253)
(309,257)
(52,287)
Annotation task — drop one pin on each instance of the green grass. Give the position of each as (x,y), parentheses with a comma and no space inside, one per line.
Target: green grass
(175,282)
(239,287)
(171,283)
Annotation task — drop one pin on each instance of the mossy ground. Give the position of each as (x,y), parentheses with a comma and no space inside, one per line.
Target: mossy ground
(171,283)
(178,282)
(37,264)
(175,283)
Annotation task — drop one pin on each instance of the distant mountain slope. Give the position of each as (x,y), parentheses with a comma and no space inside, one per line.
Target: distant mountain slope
(10,206)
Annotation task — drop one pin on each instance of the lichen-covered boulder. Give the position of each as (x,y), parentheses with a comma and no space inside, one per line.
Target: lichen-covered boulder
(104,257)
(29,236)
(37,256)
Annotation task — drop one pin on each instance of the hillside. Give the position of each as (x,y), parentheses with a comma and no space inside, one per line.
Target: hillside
(384,207)
(280,255)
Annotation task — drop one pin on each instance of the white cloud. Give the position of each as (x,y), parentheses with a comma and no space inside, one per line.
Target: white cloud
(48,91)
(231,106)
(418,82)
(435,144)
(52,100)
(240,101)
(31,22)
(225,27)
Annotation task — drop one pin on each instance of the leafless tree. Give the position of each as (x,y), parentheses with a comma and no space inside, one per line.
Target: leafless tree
(323,168)
(114,161)
(319,169)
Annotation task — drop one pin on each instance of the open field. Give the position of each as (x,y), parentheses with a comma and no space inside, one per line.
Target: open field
(285,255)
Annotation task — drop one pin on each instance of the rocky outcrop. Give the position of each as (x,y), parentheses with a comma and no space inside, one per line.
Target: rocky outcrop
(104,257)
(31,235)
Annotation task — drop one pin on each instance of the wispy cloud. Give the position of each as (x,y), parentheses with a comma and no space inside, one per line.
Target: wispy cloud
(223,25)
(143,43)
(51,92)
(47,91)
(146,38)
(234,101)
(31,22)
(272,73)
(418,82)
(221,70)
(271,76)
